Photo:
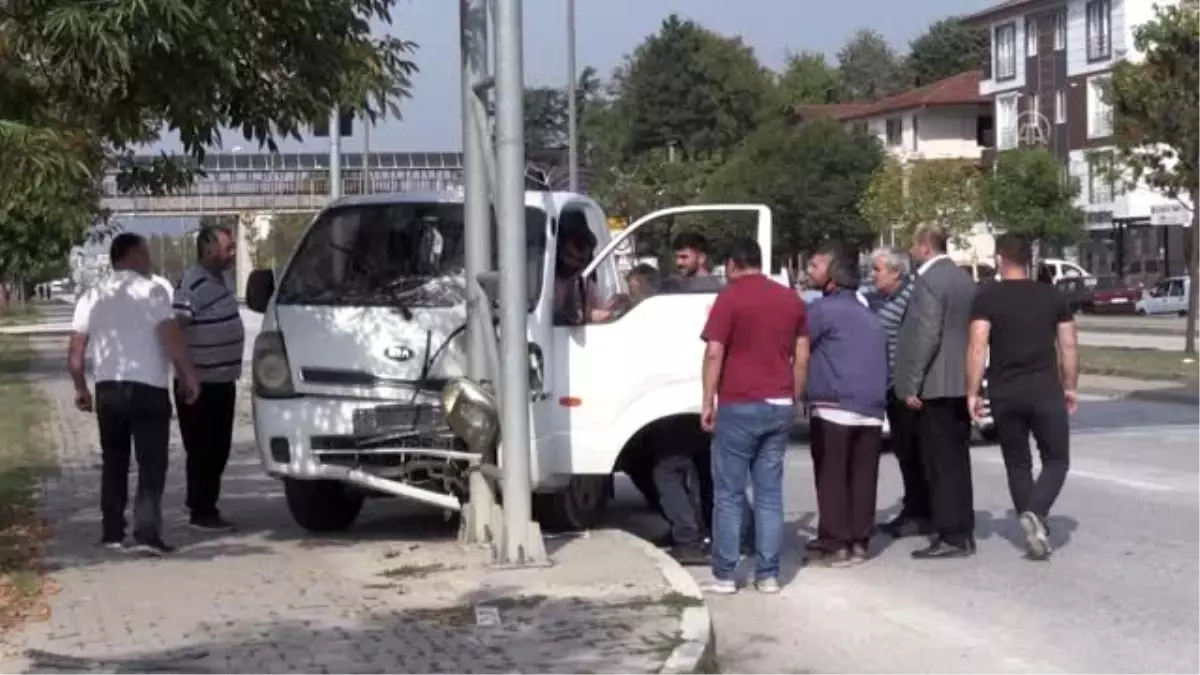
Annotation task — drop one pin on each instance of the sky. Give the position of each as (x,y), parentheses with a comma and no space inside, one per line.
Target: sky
(608,30)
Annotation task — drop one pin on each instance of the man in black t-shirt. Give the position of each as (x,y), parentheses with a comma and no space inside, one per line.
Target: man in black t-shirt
(1030,333)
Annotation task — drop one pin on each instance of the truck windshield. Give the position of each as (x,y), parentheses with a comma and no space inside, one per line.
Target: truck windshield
(408,254)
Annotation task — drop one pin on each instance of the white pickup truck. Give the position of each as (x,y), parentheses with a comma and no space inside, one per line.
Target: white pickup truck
(365,326)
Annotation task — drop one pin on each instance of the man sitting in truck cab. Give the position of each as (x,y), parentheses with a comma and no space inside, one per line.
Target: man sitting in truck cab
(643,281)
(575,301)
(691,267)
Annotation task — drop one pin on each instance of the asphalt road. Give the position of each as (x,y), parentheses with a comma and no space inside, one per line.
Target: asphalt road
(1170,343)
(1120,594)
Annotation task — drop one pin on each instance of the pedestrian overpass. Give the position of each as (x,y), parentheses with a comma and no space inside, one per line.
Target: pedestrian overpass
(240,183)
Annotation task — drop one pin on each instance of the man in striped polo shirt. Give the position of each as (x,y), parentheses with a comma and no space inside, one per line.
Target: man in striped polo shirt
(890,272)
(208,309)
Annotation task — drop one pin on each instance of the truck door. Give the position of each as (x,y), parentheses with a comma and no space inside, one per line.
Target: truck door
(610,379)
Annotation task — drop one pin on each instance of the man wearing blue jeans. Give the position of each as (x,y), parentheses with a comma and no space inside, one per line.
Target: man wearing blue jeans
(754,368)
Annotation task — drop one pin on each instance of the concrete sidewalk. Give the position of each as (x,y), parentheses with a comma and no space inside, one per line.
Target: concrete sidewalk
(1141,390)
(397,594)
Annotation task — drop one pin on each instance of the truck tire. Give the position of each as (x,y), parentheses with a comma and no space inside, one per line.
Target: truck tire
(580,506)
(322,505)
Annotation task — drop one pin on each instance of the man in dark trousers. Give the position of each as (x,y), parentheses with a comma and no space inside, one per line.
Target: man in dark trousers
(931,377)
(755,364)
(209,311)
(1030,332)
(133,337)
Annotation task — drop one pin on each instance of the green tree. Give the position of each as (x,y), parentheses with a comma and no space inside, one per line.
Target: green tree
(807,79)
(812,176)
(1155,106)
(86,83)
(902,196)
(1028,194)
(688,87)
(948,47)
(280,242)
(869,68)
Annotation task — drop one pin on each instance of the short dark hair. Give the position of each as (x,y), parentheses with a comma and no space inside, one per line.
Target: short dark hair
(1015,249)
(208,235)
(692,240)
(122,245)
(645,272)
(934,235)
(745,253)
(843,271)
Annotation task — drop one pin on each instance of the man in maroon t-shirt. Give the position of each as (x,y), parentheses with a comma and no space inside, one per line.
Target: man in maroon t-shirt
(754,369)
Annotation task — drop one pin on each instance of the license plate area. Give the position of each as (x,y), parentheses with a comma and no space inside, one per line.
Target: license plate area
(391,418)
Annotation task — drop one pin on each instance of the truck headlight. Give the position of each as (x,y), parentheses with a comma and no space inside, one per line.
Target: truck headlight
(472,413)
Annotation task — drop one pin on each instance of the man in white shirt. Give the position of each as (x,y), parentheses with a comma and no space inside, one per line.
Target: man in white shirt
(125,324)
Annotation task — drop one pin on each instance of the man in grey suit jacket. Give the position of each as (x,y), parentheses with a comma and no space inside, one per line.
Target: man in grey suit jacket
(930,375)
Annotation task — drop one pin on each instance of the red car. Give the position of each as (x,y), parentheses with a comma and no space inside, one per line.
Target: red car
(1112,296)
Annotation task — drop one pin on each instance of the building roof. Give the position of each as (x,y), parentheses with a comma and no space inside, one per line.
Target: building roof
(961,89)
(997,9)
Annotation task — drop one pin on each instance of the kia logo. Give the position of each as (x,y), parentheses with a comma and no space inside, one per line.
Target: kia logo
(398,353)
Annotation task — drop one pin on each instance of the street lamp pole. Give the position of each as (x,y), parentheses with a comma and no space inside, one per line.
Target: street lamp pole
(514,350)
(335,154)
(572,101)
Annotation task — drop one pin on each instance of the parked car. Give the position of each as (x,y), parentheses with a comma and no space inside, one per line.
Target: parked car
(1169,296)
(1112,295)
(1055,269)
(1077,291)
(979,272)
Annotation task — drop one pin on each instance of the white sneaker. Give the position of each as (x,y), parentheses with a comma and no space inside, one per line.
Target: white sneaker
(1036,537)
(721,587)
(767,586)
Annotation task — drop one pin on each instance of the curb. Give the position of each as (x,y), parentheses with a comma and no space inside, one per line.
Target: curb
(696,652)
(1180,395)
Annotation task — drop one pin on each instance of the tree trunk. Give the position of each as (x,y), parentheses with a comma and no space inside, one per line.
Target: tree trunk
(1189,345)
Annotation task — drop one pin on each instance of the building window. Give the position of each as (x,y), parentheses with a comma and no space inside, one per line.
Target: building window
(1100,114)
(895,131)
(1098,15)
(1100,178)
(916,133)
(1006,122)
(1031,37)
(1060,106)
(1005,56)
(1060,31)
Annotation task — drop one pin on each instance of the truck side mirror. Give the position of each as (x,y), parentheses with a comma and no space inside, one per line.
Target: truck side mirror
(260,286)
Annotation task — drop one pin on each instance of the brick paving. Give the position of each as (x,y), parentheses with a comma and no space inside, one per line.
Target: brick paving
(397,594)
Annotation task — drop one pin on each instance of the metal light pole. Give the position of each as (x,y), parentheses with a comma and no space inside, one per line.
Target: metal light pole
(514,352)
(335,154)
(473,22)
(572,103)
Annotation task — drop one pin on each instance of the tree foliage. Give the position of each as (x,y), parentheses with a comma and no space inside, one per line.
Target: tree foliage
(812,176)
(689,87)
(86,83)
(1155,110)
(948,47)
(869,68)
(901,197)
(1029,194)
(807,79)
(546,111)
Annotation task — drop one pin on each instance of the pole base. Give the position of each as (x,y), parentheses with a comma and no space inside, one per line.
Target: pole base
(475,525)
(507,554)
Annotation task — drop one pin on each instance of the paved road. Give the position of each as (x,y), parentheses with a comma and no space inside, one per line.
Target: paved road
(1120,595)
(1093,338)
(1161,324)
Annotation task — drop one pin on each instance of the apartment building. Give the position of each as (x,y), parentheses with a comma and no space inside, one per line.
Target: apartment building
(1051,62)
(947,119)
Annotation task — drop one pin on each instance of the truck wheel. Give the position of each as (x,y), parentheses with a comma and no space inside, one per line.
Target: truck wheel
(322,505)
(578,507)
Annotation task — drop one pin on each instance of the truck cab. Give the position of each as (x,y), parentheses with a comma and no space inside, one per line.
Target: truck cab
(366,323)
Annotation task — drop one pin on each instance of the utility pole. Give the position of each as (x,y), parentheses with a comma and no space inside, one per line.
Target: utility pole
(368,185)
(335,154)
(514,352)
(572,102)
(473,20)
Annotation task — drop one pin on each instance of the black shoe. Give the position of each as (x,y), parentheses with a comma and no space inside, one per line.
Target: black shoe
(213,523)
(903,526)
(690,554)
(154,547)
(113,543)
(940,548)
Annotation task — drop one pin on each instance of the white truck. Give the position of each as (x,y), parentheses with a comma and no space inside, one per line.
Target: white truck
(366,326)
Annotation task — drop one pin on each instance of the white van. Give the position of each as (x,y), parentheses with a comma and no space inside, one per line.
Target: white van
(1169,296)
(366,325)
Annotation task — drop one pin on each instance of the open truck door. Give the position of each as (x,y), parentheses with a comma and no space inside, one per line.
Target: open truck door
(609,381)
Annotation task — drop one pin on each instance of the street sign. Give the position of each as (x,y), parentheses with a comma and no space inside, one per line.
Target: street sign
(1170,214)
